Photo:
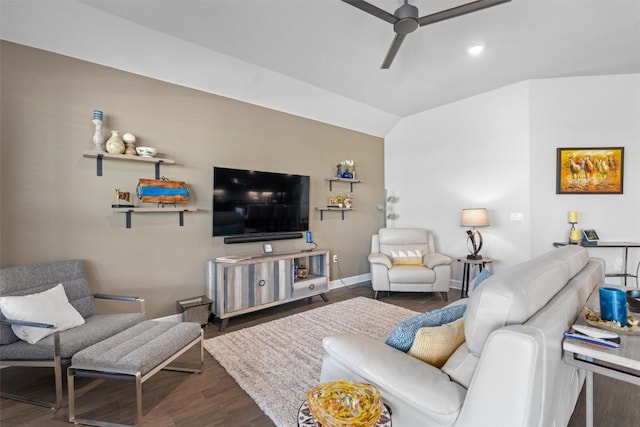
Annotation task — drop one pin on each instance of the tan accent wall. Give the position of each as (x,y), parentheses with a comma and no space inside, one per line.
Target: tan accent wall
(55,207)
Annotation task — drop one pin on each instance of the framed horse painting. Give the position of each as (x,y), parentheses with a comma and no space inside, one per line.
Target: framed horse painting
(590,170)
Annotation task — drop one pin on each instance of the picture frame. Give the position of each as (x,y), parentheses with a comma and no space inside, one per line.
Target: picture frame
(267,248)
(590,170)
(590,235)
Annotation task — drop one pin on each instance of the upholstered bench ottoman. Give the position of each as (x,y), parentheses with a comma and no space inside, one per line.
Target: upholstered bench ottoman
(134,355)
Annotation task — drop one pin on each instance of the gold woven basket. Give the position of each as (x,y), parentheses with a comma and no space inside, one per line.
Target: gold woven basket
(345,404)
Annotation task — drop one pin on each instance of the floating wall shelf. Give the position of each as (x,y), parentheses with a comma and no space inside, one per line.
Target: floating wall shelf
(333,210)
(107,156)
(350,181)
(180,211)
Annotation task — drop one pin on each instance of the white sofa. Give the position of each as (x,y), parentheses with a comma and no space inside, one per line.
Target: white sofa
(509,372)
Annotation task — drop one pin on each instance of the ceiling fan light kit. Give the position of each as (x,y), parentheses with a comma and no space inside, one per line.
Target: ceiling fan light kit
(406,19)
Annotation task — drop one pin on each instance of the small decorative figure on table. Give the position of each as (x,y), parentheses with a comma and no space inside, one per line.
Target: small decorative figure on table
(98,138)
(302,272)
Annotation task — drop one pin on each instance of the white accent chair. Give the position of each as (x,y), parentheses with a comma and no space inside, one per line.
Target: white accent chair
(433,276)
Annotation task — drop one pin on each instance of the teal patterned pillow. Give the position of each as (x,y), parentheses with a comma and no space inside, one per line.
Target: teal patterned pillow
(481,277)
(403,335)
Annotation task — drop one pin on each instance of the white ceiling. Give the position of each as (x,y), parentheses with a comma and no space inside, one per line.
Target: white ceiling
(336,47)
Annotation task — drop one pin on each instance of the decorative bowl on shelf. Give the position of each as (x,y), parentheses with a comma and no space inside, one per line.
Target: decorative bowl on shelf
(146,151)
(345,403)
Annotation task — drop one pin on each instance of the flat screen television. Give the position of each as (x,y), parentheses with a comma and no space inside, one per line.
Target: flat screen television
(259,204)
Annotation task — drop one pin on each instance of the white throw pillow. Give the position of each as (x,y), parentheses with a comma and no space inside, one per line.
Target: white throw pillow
(51,306)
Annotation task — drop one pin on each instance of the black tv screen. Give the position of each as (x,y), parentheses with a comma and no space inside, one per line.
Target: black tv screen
(247,202)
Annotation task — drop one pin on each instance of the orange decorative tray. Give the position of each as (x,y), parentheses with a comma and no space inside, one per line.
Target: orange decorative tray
(345,404)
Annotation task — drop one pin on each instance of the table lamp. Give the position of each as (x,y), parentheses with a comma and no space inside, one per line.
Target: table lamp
(475,217)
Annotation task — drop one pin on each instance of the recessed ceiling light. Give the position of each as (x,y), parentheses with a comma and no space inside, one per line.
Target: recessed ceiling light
(476,48)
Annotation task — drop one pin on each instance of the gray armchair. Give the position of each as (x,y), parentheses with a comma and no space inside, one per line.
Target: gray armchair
(405,260)
(57,349)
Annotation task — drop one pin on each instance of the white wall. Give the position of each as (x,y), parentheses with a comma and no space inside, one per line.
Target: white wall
(472,153)
(600,111)
(498,150)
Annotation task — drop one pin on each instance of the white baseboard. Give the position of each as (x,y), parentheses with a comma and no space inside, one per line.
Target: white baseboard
(348,281)
(354,280)
(333,284)
(455,284)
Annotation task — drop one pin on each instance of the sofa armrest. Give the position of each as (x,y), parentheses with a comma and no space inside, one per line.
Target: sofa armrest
(379,258)
(126,298)
(435,259)
(508,384)
(56,333)
(417,384)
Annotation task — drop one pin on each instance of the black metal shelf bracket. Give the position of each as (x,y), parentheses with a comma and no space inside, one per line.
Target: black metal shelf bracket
(330,210)
(339,180)
(128,216)
(128,213)
(99,165)
(100,158)
(158,169)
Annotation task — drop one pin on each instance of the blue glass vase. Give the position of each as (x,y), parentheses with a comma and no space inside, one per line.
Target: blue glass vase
(347,174)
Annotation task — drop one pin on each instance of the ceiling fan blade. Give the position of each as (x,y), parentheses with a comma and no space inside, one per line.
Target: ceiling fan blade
(393,49)
(458,11)
(372,10)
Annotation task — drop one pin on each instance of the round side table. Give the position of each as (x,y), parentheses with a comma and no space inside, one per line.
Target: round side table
(307,419)
(466,271)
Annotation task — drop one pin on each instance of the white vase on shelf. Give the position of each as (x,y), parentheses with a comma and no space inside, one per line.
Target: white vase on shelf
(114,144)
(98,137)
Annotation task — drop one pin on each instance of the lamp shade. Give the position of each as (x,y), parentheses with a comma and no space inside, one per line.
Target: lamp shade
(475,217)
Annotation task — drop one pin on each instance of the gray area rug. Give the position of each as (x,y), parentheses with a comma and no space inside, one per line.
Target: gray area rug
(278,361)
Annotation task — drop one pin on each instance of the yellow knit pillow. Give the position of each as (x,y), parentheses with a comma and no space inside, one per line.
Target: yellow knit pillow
(408,257)
(435,345)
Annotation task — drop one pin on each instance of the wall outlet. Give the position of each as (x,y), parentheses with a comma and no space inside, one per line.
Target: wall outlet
(335,258)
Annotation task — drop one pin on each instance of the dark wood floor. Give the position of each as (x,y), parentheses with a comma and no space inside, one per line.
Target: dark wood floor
(214,399)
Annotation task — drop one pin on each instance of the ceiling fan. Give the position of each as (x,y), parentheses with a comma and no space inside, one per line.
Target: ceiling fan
(405,19)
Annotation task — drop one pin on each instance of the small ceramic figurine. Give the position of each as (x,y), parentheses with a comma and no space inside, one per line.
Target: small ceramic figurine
(348,201)
(122,195)
(130,142)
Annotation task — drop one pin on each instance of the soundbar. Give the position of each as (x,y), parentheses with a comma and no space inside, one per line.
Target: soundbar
(261,237)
